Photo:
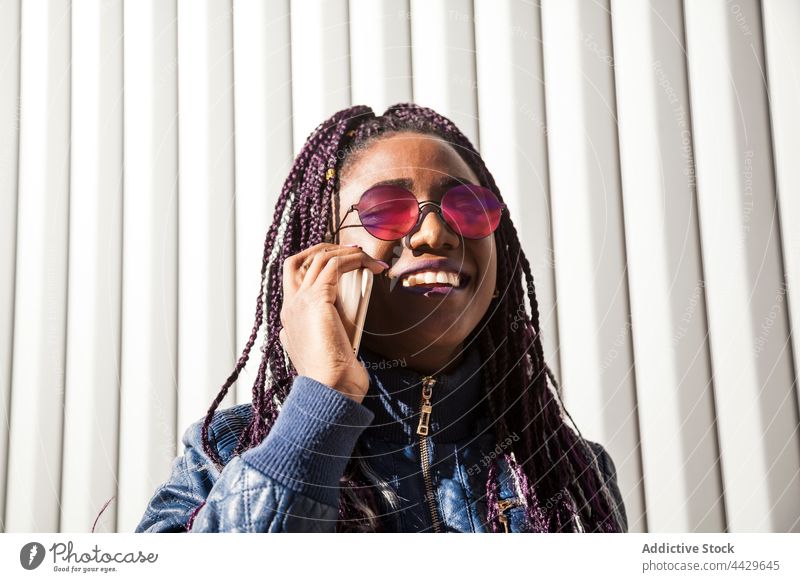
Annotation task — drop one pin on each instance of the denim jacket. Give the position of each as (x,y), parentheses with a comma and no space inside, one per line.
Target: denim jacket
(433,482)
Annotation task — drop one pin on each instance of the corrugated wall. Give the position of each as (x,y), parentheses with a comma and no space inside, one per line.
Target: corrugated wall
(648,152)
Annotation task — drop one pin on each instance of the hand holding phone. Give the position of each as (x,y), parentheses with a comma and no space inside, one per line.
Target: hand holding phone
(325,298)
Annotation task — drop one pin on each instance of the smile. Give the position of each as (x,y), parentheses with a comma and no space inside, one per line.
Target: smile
(434,282)
(431,278)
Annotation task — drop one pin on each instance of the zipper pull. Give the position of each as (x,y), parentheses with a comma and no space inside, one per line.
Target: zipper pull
(425,409)
(502,506)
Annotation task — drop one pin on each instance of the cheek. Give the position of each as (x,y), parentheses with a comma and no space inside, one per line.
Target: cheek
(486,263)
(355,236)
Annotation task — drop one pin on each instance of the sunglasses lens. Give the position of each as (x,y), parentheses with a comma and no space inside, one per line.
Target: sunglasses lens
(388,212)
(473,211)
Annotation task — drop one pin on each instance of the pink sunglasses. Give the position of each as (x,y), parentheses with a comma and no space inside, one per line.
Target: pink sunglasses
(390,212)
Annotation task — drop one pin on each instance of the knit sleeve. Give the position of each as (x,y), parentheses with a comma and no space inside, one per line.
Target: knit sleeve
(289,482)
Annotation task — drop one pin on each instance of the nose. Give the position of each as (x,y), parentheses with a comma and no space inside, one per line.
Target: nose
(431,230)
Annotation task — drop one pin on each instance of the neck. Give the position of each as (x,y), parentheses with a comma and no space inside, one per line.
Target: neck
(395,393)
(430,360)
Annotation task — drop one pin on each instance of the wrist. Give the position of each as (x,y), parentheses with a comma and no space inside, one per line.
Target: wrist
(355,393)
(312,440)
(347,387)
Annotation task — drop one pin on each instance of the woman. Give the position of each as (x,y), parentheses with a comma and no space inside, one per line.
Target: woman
(444,421)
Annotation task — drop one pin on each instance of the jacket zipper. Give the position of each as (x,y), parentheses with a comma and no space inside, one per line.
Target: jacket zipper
(502,506)
(422,431)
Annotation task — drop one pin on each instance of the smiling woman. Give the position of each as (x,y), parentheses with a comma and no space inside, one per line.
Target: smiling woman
(418,318)
(444,420)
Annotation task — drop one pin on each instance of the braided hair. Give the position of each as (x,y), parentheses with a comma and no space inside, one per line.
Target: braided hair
(557,474)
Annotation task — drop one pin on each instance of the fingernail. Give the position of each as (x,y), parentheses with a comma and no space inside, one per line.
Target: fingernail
(352,245)
(384,264)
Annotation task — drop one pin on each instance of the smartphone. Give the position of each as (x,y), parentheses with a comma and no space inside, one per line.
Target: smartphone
(352,300)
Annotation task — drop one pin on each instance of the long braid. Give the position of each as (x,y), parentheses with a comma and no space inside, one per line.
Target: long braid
(518,397)
(575,452)
(272,233)
(492,497)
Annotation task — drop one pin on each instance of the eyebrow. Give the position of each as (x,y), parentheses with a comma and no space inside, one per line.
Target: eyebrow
(408,183)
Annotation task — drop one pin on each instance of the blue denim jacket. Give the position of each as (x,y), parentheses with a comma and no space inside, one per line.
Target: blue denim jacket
(290,482)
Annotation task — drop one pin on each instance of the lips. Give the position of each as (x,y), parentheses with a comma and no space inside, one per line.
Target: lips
(434,290)
(431,267)
(434,283)
(431,278)
(435,276)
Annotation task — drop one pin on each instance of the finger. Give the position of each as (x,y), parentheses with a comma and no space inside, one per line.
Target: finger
(320,260)
(338,266)
(347,261)
(292,268)
(283,339)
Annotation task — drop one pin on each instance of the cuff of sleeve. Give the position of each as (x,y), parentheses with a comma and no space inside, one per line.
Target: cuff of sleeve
(312,440)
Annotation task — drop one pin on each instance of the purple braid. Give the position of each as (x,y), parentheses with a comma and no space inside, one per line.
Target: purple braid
(518,397)
(492,497)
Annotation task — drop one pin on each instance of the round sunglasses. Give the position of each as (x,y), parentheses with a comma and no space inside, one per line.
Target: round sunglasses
(391,212)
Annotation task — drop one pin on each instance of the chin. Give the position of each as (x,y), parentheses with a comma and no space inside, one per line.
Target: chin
(439,333)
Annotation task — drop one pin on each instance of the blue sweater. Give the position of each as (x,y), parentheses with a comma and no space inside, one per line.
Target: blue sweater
(291,481)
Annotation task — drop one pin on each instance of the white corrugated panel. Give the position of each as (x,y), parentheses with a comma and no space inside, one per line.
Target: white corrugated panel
(91,425)
(750,349)
(513,134)
(206,210)
(682,478)
(37,382)
(443,60)
(380,53)
(588,233)
(148,380)
(263,112)
(320,64)
(9,143)
(782,56)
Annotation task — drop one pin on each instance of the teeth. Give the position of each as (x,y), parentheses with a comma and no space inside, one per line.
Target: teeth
(429,277)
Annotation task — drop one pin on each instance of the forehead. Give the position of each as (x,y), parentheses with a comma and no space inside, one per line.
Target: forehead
(418,156)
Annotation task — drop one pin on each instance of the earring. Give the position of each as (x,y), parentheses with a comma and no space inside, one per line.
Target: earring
(496,293)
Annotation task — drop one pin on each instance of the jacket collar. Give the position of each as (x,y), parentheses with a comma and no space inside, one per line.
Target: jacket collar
(395,393)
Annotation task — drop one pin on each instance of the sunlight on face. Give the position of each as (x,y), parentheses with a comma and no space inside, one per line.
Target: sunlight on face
(402,321)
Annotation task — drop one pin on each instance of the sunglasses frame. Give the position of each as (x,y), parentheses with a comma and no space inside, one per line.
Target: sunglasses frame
(432,207)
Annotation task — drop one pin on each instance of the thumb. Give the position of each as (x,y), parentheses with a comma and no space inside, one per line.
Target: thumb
(282,338)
